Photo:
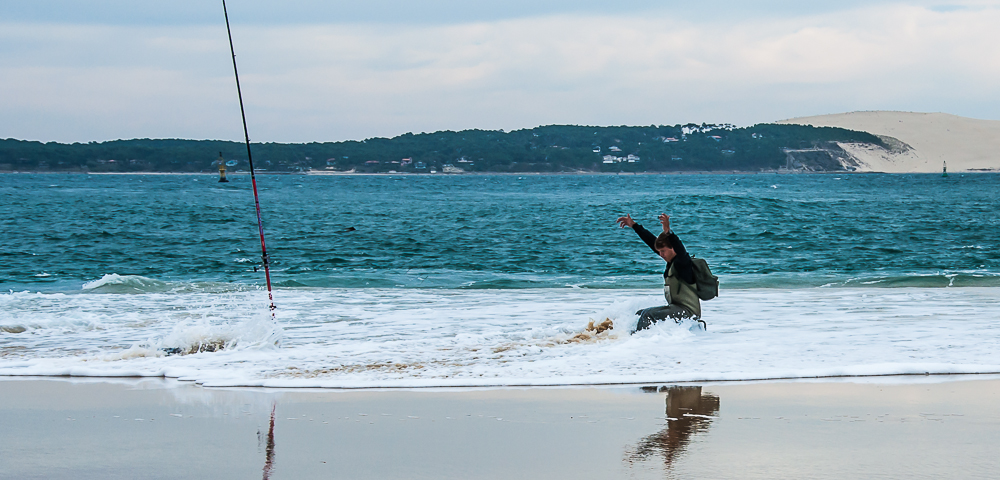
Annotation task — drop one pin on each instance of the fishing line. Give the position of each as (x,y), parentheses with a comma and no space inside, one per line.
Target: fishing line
(253,178)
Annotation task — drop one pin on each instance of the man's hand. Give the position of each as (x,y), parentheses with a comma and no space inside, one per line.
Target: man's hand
(665,221)
(626,221)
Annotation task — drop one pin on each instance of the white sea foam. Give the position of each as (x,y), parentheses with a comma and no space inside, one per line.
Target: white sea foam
(409,337)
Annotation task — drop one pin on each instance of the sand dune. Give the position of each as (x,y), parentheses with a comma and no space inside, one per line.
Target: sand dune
(921,142)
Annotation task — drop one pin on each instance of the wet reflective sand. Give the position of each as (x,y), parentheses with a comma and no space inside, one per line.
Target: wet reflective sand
(166,429)
(688,413)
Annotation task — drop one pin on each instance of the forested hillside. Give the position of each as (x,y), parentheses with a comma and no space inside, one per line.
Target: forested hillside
(553,148)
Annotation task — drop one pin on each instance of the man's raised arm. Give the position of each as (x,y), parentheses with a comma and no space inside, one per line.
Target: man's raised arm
(644,234)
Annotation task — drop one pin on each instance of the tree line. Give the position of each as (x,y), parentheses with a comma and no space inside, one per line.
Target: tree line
(552,148)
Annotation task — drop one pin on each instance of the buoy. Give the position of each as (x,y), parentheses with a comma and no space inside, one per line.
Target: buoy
(222,170)
(944,169)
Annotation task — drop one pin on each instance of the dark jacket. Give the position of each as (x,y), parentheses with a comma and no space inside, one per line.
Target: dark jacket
(678,276)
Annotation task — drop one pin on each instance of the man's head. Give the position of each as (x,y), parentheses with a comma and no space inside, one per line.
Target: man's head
(664,247)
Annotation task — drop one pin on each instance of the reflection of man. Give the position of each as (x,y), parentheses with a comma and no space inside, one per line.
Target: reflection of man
(679,287)
(687,410)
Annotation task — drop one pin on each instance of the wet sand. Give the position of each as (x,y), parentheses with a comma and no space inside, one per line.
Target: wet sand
(154,428)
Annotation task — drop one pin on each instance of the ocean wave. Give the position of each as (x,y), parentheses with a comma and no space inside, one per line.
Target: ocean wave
(921,280)
(446,280)
(931,280)
(508,283)
(103,326)
(373,338)
(259,332)
(113,283)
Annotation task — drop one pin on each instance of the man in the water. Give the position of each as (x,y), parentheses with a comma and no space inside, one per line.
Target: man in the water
(679,287)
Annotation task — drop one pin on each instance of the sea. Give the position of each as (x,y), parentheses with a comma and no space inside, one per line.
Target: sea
(403,281)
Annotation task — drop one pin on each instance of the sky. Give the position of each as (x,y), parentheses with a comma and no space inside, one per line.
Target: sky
(317,71)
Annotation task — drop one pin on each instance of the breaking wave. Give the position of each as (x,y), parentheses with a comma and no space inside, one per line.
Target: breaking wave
(113,283)
(204,337)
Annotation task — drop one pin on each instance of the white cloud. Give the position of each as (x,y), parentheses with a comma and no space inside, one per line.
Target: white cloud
(334,82)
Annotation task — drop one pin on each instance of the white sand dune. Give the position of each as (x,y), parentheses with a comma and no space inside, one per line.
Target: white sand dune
(925,140)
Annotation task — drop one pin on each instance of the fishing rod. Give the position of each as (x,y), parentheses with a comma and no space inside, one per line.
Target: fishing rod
(253,178)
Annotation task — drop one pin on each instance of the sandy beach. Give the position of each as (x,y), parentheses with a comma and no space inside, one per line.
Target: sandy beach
(903,427)
(922,141)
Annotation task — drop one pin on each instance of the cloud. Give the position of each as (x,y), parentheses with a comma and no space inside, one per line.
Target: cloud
(325,82)
(410,12)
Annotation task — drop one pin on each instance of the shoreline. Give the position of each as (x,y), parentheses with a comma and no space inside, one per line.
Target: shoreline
(940,376)
(412,174)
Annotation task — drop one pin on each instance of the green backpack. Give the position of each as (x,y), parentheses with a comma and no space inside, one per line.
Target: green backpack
(706,283)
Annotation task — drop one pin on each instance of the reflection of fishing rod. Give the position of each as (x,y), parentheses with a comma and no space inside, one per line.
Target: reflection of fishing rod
(253,179)
(269,451)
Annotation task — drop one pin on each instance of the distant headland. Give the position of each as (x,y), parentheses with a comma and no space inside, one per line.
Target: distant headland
(860,142)
(918,142)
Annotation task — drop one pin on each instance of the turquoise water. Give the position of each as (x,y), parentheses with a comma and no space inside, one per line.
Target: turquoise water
(492,280)
(532,231)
